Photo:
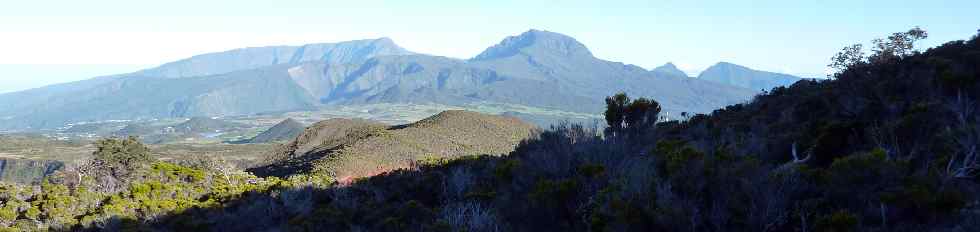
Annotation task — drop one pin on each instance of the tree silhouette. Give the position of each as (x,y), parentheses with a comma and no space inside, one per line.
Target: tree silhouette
(615,107)
(633,116)
(897,45)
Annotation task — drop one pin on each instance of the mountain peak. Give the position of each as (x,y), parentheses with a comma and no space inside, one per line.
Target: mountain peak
(535,42)
(386,43)
(727,64)
(385,46)
(741,76)
(728,67)
(670,69)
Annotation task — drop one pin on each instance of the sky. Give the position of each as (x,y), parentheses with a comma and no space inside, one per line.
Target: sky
(44,42)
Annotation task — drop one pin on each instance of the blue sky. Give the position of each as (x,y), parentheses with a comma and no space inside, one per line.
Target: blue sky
(45,42)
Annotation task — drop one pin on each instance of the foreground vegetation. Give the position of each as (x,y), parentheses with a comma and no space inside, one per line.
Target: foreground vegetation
(28,159)
(889,145)
(121,187)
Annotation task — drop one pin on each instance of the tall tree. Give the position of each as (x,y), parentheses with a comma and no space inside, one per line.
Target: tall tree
(847,57)
(897,45)
(115,161)
(642,114)
(615,108)
(633,116)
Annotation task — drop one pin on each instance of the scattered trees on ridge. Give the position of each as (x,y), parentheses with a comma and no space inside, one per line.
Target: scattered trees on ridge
(899,44)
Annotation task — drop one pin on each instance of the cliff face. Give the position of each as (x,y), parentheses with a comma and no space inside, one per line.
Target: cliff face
(27,171)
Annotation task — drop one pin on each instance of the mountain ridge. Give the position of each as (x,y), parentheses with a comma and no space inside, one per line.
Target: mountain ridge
(255,57)
(669,69)
(535,68)
(737,75)
(535,40)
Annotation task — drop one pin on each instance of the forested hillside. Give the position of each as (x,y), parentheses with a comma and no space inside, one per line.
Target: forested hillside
(888,144)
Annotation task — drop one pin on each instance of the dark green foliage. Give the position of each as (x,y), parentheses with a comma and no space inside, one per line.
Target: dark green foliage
(896,46)
(591,170)
(553,192)
(642,114)
(505,171)
(615,110)
(120,157)
(674,156)
(630,117)
(840,221)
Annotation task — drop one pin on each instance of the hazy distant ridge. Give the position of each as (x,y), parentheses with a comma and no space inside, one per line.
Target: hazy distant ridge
(741,76)
(356,51)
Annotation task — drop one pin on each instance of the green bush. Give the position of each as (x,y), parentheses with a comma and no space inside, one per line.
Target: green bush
(120,157)
(505,170)
(591,170)
(839,221)
(674,155)
(554,190)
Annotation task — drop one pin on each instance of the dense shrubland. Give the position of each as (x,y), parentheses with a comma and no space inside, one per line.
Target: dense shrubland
(889,144)
(121,187)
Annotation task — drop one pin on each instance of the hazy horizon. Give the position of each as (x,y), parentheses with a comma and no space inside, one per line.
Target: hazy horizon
(80,40)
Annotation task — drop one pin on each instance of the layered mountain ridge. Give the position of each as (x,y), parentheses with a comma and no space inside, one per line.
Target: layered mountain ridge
(256,57)
(537,68)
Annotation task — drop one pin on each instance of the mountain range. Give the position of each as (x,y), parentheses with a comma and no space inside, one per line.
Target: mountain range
(536,68)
